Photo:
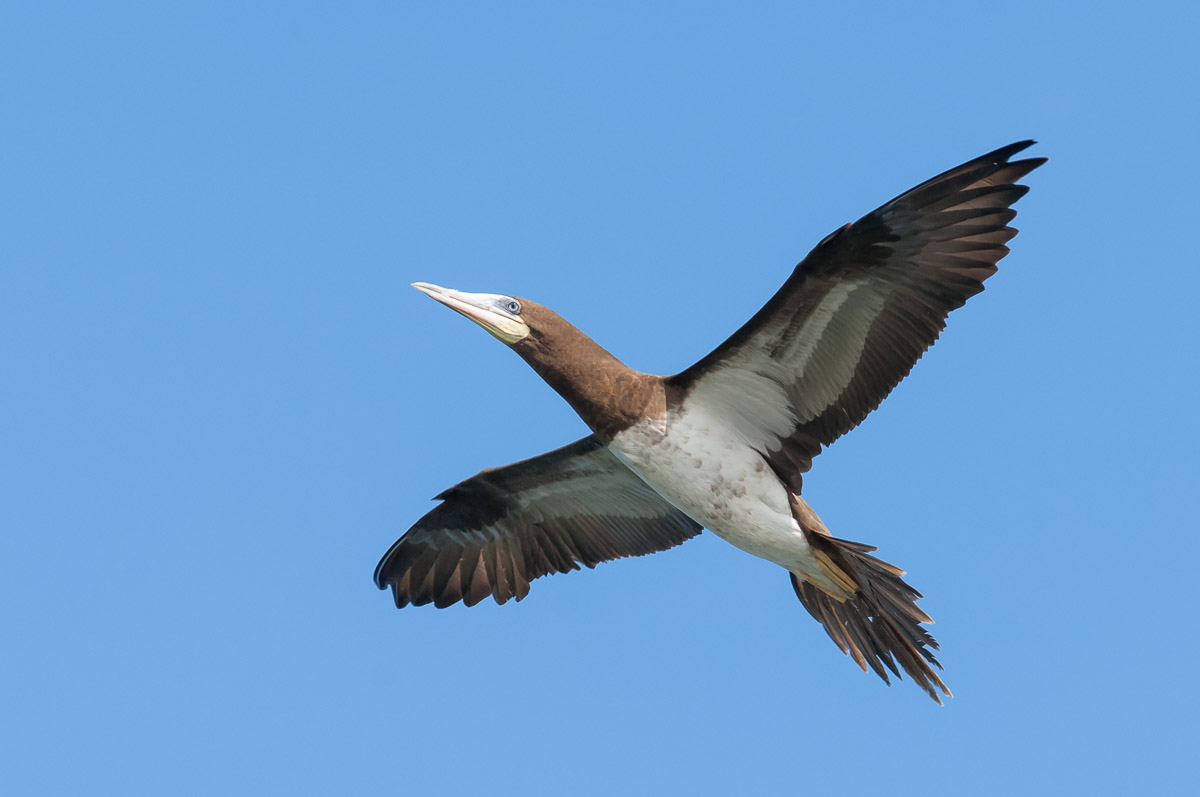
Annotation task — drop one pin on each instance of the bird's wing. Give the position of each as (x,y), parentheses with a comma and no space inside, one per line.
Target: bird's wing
(498,530)
(859,311)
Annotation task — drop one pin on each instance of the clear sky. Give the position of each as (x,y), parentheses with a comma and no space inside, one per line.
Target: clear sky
(222,402)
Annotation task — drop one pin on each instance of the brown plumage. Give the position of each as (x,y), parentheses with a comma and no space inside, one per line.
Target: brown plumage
(725,443)
(607,394)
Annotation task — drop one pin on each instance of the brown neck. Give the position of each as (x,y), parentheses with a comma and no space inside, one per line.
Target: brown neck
(608,395)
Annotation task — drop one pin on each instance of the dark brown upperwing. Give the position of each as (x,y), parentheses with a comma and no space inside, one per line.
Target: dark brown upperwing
(859,311)
(497,531)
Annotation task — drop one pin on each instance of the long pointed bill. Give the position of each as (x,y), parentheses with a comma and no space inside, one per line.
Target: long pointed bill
(486,309)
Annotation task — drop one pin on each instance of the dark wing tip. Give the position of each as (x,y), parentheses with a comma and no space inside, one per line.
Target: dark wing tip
(382,581)
(999,161)
(1002,154)
(990,163)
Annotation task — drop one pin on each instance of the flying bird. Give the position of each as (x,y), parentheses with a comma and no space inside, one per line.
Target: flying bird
(724,444)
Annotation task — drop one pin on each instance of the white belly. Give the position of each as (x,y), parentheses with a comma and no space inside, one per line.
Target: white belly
(700,465)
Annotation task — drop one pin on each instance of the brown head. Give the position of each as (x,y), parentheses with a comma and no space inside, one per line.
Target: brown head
(606,394)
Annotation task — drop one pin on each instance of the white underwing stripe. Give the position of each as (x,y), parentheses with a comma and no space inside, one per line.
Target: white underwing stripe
(780,383)
(830,366)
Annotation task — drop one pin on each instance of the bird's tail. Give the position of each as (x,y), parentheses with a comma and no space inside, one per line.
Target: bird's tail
(874,618)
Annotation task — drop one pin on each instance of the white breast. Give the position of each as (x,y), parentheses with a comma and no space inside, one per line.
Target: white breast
(704,468)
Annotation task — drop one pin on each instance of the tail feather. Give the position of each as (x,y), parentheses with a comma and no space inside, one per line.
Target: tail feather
(879,624)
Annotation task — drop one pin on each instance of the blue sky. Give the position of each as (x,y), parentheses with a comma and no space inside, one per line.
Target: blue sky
(222,402)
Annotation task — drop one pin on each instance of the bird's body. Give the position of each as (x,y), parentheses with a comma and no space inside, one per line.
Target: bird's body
(703,468)
(724,444)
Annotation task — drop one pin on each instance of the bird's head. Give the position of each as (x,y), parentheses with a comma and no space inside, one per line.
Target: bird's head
(500,315)
(582,372)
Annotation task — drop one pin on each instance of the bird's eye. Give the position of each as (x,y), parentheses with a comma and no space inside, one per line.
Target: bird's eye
(512,306)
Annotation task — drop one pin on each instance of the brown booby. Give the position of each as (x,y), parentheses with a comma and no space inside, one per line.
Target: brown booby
(723,445)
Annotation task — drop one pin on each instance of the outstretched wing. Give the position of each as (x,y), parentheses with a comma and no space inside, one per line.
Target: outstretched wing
(497,531)
(859,311)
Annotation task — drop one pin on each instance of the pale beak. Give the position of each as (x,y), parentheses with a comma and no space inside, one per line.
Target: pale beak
(485,309)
